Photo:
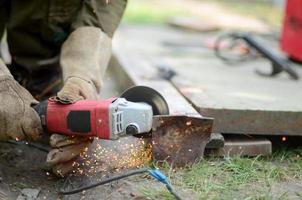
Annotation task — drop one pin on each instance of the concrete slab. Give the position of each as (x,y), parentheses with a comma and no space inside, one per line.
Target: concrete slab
(240,100)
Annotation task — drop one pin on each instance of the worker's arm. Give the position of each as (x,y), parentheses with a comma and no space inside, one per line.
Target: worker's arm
(102,15)
(86,52)
(18,120)
(84,59)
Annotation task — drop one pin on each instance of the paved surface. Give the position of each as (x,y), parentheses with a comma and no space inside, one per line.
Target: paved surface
(240,100)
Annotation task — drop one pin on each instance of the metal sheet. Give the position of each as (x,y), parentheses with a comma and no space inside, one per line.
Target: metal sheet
(180,140)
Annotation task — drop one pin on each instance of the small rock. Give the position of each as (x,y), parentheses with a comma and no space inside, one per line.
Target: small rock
(132,194)
(29,194)
(19,152)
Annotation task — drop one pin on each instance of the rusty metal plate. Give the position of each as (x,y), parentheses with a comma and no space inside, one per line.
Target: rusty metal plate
(180,140)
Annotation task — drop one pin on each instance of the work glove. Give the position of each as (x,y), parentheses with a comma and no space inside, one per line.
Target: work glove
(18,120)
(84,59)
(65,150)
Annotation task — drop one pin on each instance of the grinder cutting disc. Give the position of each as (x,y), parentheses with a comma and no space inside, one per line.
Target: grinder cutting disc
(147,95)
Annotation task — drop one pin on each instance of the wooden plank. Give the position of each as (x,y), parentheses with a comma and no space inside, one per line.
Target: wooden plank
(230,119)
(241,101)
(192,24)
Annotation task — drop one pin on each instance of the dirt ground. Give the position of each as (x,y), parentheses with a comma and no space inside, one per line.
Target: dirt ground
(23,167)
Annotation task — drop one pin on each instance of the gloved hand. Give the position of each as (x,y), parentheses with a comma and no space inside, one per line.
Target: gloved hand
(75,89)
(84,59)
(18,120)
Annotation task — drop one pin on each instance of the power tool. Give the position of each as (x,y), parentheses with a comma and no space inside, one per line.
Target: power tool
(130,114)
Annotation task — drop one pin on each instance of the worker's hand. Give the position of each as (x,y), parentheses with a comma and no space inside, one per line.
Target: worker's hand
(66,150)
(18,120)
(75,89)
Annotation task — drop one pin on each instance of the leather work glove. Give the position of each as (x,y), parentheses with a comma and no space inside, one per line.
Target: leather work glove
(18,120)
(84,59)
(76,89)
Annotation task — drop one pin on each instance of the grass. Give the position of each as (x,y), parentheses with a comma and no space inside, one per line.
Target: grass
(236,177)
(150,11)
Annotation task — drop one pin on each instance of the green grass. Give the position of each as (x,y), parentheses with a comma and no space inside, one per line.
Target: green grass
(236,177)
(149,11)
(141,11)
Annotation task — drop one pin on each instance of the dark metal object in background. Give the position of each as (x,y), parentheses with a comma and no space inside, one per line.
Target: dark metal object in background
(166,72)
(180,140)
(279,65)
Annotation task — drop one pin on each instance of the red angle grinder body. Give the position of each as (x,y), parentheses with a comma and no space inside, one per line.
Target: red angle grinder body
(87,118)
(105,119)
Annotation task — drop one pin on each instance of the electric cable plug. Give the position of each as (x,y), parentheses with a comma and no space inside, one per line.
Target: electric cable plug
(158,175)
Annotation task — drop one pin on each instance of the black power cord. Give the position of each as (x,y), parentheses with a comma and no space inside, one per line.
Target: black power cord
(230,42)
(152,172)
(115,178)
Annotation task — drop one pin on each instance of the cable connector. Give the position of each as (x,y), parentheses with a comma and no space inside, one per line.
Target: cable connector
(159,176)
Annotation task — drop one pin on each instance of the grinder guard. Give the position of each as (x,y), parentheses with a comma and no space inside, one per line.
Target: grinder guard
(147,95)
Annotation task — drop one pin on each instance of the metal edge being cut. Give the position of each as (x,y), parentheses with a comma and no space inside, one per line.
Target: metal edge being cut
(180,140)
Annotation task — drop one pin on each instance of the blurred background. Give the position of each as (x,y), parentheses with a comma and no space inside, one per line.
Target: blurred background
(217,12)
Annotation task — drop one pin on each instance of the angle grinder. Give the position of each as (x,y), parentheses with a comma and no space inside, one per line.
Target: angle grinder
(130,114)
